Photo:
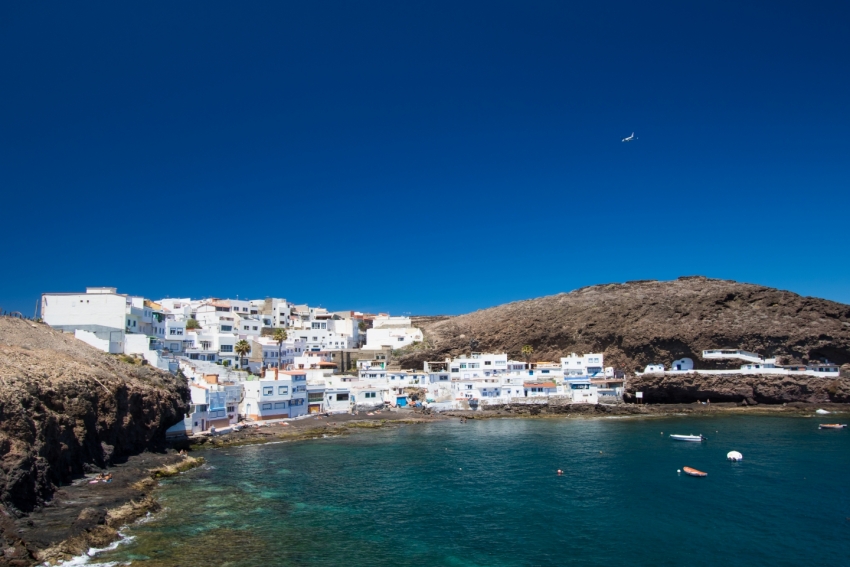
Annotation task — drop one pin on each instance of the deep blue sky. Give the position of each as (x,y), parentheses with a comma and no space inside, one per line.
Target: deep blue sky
(426,158)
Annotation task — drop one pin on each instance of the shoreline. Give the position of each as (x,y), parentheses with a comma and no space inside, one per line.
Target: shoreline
(317,427)
(83,516)
(86,515)
(573,411)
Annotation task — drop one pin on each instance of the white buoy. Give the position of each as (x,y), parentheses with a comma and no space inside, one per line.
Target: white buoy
(734,456)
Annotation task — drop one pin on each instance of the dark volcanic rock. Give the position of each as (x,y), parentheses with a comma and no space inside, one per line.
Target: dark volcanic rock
(66,408)
(639,323)
(729,388)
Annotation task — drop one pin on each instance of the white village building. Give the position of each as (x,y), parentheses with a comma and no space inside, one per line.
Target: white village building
(275,398)
(392,332)
(753,365)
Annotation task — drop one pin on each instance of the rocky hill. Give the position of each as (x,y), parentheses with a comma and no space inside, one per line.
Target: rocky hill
(644,322)
(66,407)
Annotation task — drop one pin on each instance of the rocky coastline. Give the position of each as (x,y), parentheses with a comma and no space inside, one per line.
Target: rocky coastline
(703,409)
(82,515)
(68,412)
(87,513)
(740,389)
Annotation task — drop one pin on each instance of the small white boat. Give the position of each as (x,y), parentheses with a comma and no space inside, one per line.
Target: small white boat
(822,412)
(693,472)
(696,438)
(734,456)
(832,426)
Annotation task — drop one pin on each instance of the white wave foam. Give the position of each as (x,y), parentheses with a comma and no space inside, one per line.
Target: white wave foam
(85,559)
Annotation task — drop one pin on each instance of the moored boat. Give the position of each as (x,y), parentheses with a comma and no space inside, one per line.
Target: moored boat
(832,426)
(696,438)
(693,472)
(734,456)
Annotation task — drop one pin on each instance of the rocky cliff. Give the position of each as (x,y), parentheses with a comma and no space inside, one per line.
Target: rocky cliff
(639,323)
(748,390)
(66,407)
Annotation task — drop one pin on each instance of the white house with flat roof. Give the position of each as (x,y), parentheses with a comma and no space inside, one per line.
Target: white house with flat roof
(583,367)
(266,353)
(337,399)
(101,317)
(478,365)
(270,398)
(212,405)
(583,392)
(323,337)
(392,332)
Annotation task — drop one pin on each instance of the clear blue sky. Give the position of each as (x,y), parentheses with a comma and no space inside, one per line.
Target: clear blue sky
(432,157)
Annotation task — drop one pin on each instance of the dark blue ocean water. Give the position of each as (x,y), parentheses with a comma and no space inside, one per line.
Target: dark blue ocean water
(486,493)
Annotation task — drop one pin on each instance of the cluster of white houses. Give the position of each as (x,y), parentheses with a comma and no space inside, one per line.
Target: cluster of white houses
(330,361)
(222,397)
(166,330)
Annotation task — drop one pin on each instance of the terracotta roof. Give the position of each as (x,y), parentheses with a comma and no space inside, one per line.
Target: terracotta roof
(539,384)
(294,372)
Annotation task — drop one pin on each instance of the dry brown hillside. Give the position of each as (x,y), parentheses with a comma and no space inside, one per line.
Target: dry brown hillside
(639,323)
(66,407)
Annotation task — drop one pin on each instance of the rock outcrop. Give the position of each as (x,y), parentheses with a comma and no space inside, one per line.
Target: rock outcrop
(764,389)
(66,408)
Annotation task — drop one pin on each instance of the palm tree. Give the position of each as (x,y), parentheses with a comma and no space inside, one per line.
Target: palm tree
(279,336)
(527,350)
(242,348)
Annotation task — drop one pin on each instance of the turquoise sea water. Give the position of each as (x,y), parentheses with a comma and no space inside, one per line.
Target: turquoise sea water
(487,493)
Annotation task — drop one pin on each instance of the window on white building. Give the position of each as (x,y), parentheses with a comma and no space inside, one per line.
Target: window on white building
(226,348)
(282,390)
(268,390)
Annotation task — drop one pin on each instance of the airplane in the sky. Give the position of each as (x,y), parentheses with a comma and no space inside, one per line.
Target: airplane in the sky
(630,138)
